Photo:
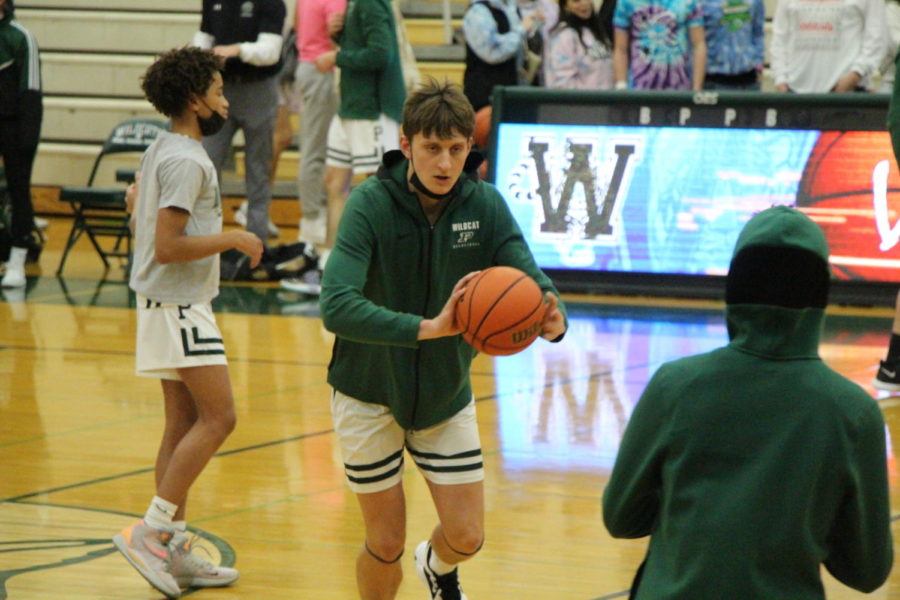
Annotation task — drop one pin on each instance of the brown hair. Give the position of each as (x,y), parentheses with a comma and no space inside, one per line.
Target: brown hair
(177,75)
(439,108)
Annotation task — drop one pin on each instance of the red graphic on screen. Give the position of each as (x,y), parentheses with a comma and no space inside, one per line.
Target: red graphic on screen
(851,188)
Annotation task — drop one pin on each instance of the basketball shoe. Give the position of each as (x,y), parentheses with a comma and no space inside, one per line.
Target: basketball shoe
(148,551)
(442,587)
(191,570)
(888,377)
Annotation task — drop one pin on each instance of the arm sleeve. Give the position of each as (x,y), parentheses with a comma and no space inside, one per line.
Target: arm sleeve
(346,312)
(380,43)
(779,44)
(631,500)
(757,39)
(30,91)
(860,545)
(180,183)
(480,30)
(874,40)
(512,250)
(203,40)
(265,51)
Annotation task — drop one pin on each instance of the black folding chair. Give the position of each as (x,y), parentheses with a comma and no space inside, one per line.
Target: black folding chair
(100,212)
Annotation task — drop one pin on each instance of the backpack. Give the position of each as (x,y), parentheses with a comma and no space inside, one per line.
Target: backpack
(278,262)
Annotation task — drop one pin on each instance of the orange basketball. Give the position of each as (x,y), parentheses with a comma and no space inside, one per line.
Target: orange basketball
(501,311)
(482,133)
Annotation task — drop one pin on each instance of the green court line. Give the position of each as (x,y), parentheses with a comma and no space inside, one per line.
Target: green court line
(151,469)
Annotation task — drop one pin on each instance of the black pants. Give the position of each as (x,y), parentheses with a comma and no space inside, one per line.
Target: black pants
(18,161)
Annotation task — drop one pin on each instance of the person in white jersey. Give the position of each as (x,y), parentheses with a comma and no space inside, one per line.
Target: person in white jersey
(177,222)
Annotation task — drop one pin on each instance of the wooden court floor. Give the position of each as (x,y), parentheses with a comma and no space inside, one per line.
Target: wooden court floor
(78,435)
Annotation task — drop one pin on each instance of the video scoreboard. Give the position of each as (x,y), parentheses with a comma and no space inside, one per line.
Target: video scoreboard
(647,191)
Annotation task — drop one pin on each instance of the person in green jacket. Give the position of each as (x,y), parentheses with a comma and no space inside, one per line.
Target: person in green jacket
(408,242)
(372,92)
(752,465)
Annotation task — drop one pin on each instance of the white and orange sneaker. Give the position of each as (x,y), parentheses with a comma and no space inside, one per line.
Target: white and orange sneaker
(148,551)
(191,570)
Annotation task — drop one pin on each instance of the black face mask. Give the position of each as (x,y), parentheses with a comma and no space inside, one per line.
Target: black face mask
(417,183)
(212,124)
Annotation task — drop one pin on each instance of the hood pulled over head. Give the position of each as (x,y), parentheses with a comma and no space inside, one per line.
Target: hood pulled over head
(780,259)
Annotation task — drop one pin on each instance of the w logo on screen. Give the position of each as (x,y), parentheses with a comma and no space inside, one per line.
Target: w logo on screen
(593,214)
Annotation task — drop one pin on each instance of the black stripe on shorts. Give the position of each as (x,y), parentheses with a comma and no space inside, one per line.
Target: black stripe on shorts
(398,455)
(438,458)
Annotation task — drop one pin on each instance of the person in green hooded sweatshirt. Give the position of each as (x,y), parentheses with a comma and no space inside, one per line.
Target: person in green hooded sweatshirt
(409,241)
(752,465)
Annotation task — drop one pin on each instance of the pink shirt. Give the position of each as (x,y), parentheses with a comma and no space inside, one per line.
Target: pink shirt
(312,26)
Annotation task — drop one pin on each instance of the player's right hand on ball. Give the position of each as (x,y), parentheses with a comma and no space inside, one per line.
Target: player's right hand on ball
(249,244)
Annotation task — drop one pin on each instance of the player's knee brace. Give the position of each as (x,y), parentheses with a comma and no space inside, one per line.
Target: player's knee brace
(380,559)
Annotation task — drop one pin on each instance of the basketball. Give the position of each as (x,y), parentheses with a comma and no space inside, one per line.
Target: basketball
(482,134)
(501,311)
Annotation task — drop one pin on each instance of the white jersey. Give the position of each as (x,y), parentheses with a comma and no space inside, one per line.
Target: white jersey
(176,172)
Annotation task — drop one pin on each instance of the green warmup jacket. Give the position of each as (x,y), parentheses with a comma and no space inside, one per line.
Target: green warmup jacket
(752,465)
(390,269)
(369,58)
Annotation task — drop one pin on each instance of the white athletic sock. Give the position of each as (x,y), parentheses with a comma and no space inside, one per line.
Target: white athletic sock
(439,566)
(159,514)
(179,526)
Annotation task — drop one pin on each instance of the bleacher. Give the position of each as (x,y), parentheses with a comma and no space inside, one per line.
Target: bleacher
(94,51)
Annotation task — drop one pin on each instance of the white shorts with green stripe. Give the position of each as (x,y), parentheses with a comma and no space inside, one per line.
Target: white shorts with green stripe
(372,445)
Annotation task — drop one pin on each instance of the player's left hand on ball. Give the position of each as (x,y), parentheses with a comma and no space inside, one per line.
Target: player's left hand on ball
(554,322)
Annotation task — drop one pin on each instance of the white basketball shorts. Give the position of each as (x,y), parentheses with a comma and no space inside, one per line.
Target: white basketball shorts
(372,446)
(174,336)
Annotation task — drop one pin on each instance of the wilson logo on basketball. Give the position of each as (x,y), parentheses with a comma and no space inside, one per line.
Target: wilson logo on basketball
(523,334)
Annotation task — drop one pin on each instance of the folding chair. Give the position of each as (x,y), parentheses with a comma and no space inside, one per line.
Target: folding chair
(99,212)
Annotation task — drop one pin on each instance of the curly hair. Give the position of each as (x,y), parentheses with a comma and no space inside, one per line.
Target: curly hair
(439,108)
(177,75)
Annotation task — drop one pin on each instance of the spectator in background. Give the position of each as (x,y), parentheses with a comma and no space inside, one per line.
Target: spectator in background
(821,46)
(247,33)
(366,125)
(659,45)
(21,112)
(319,99)
(734,44)
(580,49)
(495,44)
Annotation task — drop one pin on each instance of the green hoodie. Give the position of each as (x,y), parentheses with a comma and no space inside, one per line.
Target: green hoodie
(369,59)
(752,465)
(390,269)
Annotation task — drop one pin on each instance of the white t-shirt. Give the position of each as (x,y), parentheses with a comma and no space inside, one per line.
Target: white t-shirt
(816,42)
(176,172)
